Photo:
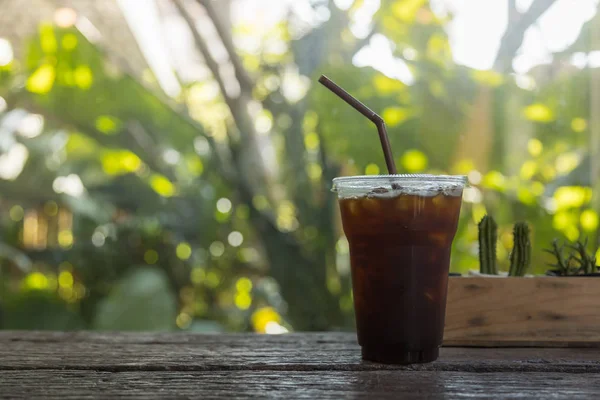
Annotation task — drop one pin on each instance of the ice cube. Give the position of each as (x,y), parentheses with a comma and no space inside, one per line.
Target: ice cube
(404,203)
(353,206)
(438,238)
(430,295)
(439,200)
(371,205)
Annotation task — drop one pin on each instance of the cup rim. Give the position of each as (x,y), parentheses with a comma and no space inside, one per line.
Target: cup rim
(412,178)
(398,183)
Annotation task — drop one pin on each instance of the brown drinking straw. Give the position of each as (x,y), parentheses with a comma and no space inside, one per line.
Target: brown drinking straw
(367,112)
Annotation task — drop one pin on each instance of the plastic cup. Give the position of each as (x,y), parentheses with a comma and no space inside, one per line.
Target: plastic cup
(400,230)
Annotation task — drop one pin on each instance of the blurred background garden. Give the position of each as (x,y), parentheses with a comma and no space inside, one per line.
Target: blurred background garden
(167,164)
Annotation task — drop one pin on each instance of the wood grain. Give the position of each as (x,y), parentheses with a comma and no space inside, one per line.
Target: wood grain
(230,352)
(81,365)
(540,311)
(50,384)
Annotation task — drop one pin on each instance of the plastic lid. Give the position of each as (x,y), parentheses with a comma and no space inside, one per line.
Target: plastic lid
(394,185)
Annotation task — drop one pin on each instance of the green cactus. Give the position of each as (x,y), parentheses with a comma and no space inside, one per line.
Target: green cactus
(488,236)
(520,257)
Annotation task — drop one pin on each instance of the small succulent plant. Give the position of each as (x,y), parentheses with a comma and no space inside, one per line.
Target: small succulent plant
(577,261)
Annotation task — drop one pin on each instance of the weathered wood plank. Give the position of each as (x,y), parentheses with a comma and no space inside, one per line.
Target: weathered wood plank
(539,311)
(296,384)
(341,338)
(294,352)
(463,342)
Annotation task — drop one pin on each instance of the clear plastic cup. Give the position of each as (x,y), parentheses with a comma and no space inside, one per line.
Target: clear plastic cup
(400,230)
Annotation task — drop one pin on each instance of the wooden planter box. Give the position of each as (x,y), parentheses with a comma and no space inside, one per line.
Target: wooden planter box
(524,312)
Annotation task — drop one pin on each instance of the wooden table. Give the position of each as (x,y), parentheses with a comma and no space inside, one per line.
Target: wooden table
(318,366)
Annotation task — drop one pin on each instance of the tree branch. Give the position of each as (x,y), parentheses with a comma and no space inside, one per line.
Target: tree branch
(513,13)
(142,143)
(203,47)
(254,169)
(594,112)
(246,83)
(515,33)
(300,274)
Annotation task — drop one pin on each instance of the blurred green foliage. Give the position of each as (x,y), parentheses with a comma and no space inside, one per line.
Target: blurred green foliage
(134,211)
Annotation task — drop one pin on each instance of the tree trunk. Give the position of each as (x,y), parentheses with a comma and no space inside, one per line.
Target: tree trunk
(594,151)
(479,137)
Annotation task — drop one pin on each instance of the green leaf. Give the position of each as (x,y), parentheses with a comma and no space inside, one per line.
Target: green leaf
(108,124)
(83,76)
(141,300)
(414,161)
(42,80)
(48,38)
(406,10)
(116,162)
(396,115)
(386,85)
(539,113)
(488,77)
(162,185)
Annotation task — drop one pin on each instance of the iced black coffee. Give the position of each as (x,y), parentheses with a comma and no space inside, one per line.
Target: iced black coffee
(400,231)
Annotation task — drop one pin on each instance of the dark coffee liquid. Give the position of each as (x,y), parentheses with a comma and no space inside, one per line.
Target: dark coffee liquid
(400,253)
